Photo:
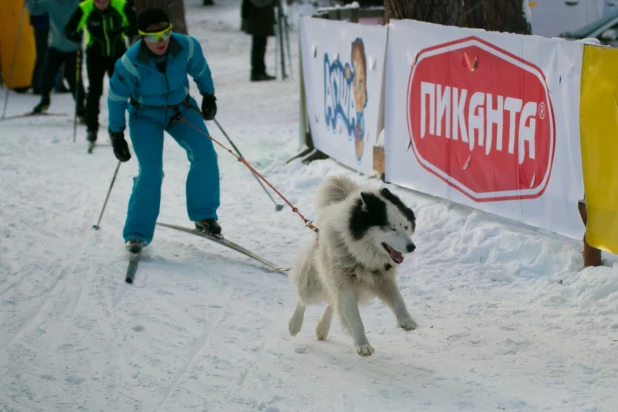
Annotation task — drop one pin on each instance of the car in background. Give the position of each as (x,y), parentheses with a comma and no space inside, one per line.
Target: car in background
(605,30)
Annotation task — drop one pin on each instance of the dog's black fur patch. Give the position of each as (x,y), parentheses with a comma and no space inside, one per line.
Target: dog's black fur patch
(406,211)
(363,220)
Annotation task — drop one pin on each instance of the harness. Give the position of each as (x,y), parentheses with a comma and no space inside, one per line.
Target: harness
(175,107)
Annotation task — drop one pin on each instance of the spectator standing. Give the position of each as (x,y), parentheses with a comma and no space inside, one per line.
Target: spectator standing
(60,50)
(258,20)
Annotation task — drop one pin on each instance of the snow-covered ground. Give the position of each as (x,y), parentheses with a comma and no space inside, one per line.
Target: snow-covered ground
(507,319)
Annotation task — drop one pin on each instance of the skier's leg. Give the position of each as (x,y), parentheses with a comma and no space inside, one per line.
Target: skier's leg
(147,139)
(40,41)
(73,73)
(203,178)
(53,60)
(96,73)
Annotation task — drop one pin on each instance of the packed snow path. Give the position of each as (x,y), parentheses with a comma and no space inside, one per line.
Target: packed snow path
(507,318)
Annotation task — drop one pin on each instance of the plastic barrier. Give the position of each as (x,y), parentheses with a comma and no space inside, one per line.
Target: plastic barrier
(599,128)
(534,131)
(16,65)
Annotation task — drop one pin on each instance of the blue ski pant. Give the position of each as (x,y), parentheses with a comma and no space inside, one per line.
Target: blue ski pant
(202,186)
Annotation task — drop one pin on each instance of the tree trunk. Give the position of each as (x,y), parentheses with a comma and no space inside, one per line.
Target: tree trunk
(431,11)
(592,256)
(506,16)
(492,15)
(174,8)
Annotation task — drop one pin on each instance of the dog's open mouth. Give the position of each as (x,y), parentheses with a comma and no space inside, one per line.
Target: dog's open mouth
(395,255)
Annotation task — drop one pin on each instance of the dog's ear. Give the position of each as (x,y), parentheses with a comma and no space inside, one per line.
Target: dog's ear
(394,199)
(372,202)
(386,193)
(366,198)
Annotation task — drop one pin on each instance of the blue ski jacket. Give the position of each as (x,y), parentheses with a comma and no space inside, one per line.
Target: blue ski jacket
(59,12)
(136,77)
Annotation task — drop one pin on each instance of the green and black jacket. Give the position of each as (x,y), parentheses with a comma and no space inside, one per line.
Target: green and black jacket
(106,30)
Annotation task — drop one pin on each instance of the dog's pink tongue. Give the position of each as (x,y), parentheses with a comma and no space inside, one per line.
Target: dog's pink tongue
(396,256)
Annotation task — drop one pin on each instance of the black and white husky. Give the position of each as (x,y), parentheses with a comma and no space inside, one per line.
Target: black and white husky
(363,236)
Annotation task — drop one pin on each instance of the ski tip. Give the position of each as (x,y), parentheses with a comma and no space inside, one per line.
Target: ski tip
(128,280)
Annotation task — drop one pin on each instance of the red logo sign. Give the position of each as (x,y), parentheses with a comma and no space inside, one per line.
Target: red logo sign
(481,119)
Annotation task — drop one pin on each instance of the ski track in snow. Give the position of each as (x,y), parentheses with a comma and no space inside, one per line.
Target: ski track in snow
(508,320)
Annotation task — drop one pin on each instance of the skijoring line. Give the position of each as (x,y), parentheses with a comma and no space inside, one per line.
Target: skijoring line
(308,223)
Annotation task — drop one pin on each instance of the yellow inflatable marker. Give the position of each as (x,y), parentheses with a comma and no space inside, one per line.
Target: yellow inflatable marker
(599,144)
(13,15)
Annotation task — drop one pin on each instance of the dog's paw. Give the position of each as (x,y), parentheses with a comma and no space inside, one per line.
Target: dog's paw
(321,332)
(407,323)
(295,325)
(365,349)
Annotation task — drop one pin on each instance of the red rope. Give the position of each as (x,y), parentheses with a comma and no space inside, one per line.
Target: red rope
(243,161)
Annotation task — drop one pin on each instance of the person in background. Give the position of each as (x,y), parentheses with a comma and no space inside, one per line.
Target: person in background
(153,76)
(40,27)
(258,20)
(60,50)
(106,23)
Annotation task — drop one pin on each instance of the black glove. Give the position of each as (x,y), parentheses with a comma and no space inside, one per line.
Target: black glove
(120,146)
(209,106)
(74,36)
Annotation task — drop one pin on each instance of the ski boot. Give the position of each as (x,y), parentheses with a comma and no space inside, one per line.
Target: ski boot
(210,227)
(135,245)
(260,77)
(42,106)
(91,137)
(81,115)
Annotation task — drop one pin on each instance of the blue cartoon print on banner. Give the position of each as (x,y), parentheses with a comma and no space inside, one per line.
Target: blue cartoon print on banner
(345,94)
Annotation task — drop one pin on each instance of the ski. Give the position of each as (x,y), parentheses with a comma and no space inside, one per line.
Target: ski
(135,252)
(132,268)
(92,145)
(30,114)
(227,243)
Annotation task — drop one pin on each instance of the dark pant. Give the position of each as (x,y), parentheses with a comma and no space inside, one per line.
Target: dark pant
(258,52)
(53,61)
(97,67)
(40,44)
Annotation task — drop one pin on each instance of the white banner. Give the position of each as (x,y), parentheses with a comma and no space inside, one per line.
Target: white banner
(486,119)
(343,66)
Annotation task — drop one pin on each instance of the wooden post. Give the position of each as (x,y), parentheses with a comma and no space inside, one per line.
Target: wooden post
(592,256)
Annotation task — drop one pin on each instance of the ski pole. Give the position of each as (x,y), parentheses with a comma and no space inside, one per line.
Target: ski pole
(287,39)
(277,206)
(78,69)
(281,40)
(241,159)
(6,96)
(276,52)
(97,227)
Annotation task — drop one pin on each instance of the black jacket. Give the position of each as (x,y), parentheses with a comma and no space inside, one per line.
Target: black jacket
(258,17)
(106,30)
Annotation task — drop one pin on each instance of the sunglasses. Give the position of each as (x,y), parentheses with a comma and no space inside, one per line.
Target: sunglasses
(154,37)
